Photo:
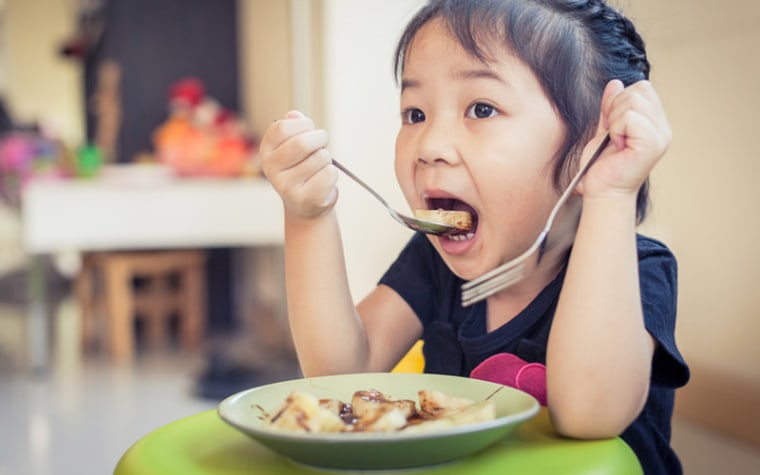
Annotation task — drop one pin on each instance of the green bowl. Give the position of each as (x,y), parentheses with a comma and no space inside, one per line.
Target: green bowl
(378,451)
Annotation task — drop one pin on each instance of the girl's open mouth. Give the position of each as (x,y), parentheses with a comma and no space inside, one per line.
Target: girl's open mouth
(453,204)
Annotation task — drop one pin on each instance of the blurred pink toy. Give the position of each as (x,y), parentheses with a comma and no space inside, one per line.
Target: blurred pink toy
(22,157)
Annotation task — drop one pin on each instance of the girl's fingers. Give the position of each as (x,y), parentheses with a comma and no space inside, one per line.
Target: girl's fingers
(611,91)
(643,98)
(294,115)
(295,160)
(300,148)
(640,134)
(308,168)
(639,101)
(312,186)
(324,184)
(281,130)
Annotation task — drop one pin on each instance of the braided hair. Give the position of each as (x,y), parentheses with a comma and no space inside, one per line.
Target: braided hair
(574,47)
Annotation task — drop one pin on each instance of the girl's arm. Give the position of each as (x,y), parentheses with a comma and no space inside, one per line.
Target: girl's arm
(320,309)
(329,333)
(600,354)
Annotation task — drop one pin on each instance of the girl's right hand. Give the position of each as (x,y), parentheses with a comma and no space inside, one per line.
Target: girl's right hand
(294,159)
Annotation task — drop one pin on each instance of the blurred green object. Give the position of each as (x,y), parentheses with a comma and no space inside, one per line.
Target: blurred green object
(89,160)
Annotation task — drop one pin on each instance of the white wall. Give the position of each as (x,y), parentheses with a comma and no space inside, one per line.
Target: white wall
(362,118)
(706,59)
(265,60)
(41,86)
(3,47)
(706,65)
(37,85)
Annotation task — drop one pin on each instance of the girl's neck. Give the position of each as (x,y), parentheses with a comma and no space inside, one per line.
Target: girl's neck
(502,307)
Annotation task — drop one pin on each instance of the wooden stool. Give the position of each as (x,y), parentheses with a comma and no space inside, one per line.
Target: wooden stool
(156,300)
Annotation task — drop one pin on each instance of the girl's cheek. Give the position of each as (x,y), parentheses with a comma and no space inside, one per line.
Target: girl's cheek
(403,162)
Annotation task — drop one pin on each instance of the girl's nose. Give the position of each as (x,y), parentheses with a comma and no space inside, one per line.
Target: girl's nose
(437,145)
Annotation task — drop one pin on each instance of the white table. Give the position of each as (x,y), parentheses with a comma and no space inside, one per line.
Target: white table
(121,212)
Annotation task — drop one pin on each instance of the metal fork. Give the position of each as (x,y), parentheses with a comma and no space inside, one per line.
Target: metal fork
(513,271)
(427,227)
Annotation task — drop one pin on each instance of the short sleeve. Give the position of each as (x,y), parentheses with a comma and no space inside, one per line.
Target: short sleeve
(658,275)
(410,276)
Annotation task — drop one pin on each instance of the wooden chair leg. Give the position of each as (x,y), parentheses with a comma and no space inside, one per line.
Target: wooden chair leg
(193,307)
(120,310)
(156,328)
(85,297)
(150,303)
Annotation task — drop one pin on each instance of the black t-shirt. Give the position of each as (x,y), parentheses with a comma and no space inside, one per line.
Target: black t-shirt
(456,339)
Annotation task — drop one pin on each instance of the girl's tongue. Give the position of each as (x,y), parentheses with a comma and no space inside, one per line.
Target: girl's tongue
(451,204)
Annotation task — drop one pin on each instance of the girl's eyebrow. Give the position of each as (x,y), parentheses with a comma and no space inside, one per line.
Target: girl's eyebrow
(407,83)
(462,74)
(480,74)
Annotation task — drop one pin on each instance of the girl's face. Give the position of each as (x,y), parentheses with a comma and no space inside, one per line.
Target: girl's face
(479,137)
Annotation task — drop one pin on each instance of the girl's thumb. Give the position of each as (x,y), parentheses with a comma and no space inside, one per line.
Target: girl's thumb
(294,115)
(612,89)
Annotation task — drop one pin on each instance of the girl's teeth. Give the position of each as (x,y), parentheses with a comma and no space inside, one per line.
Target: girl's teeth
(461,237)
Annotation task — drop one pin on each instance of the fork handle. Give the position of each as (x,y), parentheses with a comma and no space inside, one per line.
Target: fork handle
(576,179)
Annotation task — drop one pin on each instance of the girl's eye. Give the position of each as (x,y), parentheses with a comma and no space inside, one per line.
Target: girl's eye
(481,110)
(412,116)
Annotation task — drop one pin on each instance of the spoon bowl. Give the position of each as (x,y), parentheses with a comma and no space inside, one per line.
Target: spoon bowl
(420,225)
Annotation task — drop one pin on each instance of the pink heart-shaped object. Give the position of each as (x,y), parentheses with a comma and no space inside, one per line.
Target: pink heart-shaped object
(511,370)
(531,378)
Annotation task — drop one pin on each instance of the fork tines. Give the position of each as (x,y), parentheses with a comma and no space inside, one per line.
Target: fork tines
(503,276)
(479,289)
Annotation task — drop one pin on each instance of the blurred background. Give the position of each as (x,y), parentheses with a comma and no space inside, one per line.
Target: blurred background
(105,92)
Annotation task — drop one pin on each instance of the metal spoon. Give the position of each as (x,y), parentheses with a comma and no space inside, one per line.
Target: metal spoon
(427,227)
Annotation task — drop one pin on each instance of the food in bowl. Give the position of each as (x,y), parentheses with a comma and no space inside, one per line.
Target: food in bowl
(372,411)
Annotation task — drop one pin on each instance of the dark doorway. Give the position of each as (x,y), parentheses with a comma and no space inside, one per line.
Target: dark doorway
(156,43)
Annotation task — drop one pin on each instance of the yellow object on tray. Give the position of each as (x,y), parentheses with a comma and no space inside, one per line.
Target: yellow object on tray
(412,362)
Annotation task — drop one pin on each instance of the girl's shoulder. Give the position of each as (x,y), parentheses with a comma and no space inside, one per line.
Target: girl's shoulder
(648,246)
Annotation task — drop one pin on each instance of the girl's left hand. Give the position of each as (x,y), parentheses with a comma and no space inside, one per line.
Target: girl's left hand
(639,136)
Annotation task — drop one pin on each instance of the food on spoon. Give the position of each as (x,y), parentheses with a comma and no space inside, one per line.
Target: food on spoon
(461,220)
(373,411)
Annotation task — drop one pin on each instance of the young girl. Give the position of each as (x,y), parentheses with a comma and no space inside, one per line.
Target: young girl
(500,102)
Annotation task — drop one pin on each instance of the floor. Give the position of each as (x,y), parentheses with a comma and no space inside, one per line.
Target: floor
(83,413)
